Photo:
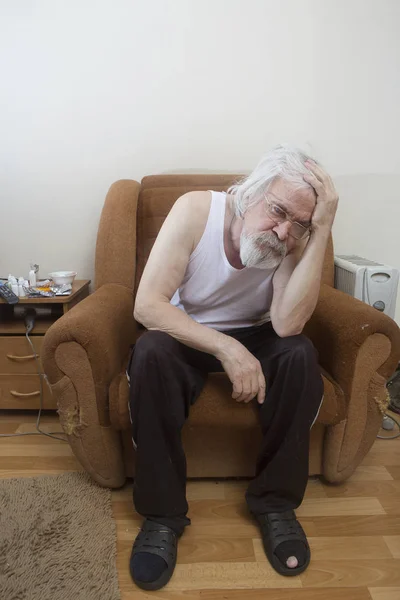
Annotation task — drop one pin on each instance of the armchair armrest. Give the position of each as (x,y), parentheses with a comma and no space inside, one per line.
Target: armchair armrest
(81,354)
(104,327)
(339,327)
(360,348)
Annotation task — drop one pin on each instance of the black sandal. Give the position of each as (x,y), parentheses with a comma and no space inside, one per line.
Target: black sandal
(155,538)
(282,527)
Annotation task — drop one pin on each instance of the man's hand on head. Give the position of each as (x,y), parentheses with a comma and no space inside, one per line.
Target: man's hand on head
(327,196)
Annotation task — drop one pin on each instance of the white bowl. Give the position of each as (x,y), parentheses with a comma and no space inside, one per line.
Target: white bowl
(62,277)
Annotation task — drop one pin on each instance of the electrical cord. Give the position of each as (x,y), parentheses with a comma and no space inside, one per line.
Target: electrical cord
(390,437)
(29,324)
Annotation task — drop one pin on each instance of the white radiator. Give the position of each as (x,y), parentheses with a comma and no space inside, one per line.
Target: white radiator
(369,281)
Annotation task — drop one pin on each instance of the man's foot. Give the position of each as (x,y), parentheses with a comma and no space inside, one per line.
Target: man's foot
(285,542)
(153,557)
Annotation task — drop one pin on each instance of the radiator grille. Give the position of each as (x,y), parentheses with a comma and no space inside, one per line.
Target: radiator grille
(345,280)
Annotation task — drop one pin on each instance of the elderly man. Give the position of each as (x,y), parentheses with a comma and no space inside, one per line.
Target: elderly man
(229,285)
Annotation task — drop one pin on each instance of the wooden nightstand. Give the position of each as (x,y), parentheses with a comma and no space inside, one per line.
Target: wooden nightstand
(19,381)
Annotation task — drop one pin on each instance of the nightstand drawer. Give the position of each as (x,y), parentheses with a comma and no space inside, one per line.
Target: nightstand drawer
(16,355)
(23,391)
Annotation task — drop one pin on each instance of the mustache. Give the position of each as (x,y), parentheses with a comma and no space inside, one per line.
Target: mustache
(269,240)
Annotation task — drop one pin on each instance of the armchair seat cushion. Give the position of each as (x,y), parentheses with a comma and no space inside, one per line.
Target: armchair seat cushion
(215,405)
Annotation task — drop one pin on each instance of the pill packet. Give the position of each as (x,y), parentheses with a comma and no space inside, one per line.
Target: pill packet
(61,290)
(35,292)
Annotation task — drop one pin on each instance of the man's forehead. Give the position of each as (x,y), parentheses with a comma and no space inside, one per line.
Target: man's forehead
(299,202)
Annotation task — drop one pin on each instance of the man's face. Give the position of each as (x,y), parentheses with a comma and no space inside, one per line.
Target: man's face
(263,243)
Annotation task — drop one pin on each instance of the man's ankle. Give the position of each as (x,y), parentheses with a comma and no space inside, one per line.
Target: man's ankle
(177,524)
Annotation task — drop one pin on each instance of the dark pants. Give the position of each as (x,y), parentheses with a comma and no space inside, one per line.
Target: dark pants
(166,377)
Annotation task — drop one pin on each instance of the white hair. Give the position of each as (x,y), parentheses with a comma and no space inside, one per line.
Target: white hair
(283,161)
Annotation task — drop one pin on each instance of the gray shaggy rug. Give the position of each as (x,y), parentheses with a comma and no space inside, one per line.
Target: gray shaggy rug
(57,539)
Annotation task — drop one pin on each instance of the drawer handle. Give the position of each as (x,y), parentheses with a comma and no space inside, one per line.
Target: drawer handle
(28,395)
(17,358)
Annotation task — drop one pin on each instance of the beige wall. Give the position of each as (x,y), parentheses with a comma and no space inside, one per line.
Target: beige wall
(93,91)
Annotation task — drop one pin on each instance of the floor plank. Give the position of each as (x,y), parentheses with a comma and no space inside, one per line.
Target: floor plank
(339,548)
(227,576)
(195,550)
(384,452)
(339,507)
(393,543)
(28,466)
(390,503)
(385,593)
(208,490)
(394,471)
(353,525)
(361,489)
(371,473)
(355,573)
(7,427)
(41,448)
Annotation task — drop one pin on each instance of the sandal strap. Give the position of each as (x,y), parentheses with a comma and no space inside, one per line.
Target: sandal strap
(155,538)
(281,527)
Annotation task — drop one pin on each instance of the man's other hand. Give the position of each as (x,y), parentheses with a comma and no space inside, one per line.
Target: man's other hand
(244,371)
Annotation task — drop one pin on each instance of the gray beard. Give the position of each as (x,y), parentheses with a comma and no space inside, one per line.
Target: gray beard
(261,250)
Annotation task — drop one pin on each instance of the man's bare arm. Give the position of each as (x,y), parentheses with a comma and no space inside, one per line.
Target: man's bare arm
(296,286)
(297,282)
(163,275)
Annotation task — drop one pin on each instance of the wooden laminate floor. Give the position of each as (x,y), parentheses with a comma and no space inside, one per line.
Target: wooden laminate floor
(353,529)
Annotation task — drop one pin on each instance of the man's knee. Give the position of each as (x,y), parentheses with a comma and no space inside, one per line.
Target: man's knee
(154,343)
(303,346)
(153,347)
(300,348)
(305,356)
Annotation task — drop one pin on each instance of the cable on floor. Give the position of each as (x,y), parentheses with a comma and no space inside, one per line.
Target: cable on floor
(390,437)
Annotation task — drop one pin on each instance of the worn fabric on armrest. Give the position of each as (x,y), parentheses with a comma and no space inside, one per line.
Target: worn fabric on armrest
(339,327)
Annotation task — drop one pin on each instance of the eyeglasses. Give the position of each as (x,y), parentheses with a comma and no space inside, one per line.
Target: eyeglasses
(278,215)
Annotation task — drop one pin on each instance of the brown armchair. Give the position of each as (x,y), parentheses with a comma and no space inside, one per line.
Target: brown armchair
(85,354)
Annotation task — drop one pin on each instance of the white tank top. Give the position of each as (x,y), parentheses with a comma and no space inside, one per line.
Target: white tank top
(213,292)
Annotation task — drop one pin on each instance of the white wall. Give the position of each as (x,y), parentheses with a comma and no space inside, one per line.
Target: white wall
(93,91)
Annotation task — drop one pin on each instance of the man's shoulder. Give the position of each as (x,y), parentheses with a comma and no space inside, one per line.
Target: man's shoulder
(197,202)
(194,207)
(192,210)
